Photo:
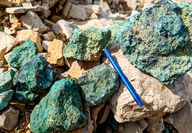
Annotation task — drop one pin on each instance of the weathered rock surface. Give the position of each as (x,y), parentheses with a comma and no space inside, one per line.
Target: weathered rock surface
(87,45)
(59,110)
(157,45)
(22,54)
(99,84)
(23,35)
(50,36)
(34,77)
(182,119)
(5,3)
(77,12)
(9,118)
(32,21)
(64,27)
(7,43)
(55,53)
(6,91)
(189,83)
(155,125)
(157,98)
(18,10)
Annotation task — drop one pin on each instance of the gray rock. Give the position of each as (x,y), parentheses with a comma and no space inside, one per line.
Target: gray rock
(9,118)
(32,21)
(77,12)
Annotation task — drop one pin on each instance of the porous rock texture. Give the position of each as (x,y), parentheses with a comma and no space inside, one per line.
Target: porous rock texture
(34,77)
(6,91)
(157,41)
(22,54)
(99,84)
(59,110)
(87,45)
(157,98)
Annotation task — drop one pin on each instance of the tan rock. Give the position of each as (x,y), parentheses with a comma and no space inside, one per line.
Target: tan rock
(157,99)
(67,8)
(7,42)
(5,3)
(147,5)
(77,12)
(18,10)
(50,36)
(155,125)
(55,53)
(32,21)
(189,82)
(1,63)
(23,35)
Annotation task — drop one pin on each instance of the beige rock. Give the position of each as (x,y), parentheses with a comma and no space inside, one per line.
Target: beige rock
(6,57)
(147,5)
(2,70)
(134,127)
(55,53)
(133,12)
(64,28)
(17,10)
(155,125)
(50,36)
(77,12)
(23,35)
(9,118)
(32,21)
(157,99)
(182,119)
(7,43)
(5,3)
(1,63)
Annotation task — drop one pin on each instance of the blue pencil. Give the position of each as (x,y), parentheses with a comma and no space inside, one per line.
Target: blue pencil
(124,78)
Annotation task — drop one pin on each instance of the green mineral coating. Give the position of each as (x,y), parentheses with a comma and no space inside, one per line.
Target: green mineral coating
(22,54)
(59,110)
(5,97)
(157,42)
(113,28)
(99,84)
(34,77)
(5,88)
(187,15)
(87,45)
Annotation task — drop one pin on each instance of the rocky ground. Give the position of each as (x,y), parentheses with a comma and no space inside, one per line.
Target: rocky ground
(55,78)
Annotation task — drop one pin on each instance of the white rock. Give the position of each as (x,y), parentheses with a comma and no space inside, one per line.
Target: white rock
(45,45)
(157,99)
(1,63)
(7,42)
(64,27)
(77,12)
(9,118)
(105,10)
(32,21)
(147,5)
(133,12)
(155,125)
(2,70)
(17,10)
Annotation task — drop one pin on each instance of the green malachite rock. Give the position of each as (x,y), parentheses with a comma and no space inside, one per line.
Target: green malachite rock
(113,27)
(34,77)
(99,84)
(6,91)
(87,45)
(157,41)
(187,15)
(22,54)
(59,110)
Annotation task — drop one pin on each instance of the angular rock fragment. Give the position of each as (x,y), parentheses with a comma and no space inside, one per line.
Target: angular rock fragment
(23,35)
(32,21)
(99,84)
(5,3)
(157,98)
(45,45)
(55,53)
(77,12)
(64,28)
(17,10)
(157,42)
(6,91)
(87,45)
(34,77)
(50,36)
(59,110)
(7,42)
(155,125)
(9,118)
(22,54)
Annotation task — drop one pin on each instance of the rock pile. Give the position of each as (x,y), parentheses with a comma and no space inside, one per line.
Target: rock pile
(54,76)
